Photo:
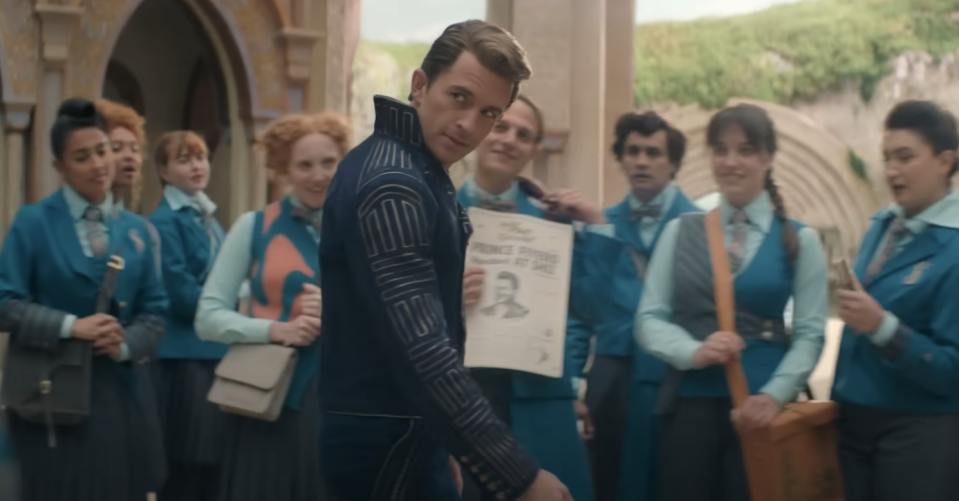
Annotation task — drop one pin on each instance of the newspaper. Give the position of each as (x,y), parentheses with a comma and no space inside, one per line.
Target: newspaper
(520,322)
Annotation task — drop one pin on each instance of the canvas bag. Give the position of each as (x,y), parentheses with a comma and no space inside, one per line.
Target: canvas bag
(795,459)
(252,380)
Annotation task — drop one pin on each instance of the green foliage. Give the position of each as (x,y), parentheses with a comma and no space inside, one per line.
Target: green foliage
(789,52)
(407,56)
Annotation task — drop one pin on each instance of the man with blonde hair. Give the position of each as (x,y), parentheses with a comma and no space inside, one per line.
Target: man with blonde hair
(397,400)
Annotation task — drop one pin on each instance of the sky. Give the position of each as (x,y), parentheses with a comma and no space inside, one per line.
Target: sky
(423,20)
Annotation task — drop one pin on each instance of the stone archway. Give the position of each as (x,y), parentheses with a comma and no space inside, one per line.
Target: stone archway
(812,169)
(206,59)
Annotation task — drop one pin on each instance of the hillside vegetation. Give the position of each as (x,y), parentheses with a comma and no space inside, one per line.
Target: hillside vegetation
(788,52)
(782,54)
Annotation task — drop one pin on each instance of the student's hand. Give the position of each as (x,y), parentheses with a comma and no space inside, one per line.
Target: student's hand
(311,301)
(95,326)
(573,204)
(859,310)
(473,280)
(109,344)
(457,475)
(582,412)
(719,348)
(302,331)
(546,487)
(757,413)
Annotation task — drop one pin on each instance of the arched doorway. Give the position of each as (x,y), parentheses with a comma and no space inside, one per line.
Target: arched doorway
(811,167)
(165,65)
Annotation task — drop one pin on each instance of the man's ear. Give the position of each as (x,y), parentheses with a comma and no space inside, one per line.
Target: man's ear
(418,87)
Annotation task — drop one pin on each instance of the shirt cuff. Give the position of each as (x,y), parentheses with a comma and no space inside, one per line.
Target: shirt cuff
(66,328)
(124,353)
(684,354)
(244,292)
(577,382)
(886,331)
(781,391)
(606,230)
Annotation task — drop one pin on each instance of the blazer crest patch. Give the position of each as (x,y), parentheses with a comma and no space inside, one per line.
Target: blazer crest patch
(137,241)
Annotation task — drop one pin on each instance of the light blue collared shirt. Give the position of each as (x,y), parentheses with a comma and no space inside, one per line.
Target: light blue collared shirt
(656,333)
(479,194)
(179,199)
(217,318)
(649,226)
(944,213)
(78,205)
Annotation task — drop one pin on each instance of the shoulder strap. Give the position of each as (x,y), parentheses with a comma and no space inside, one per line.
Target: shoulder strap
(725,303)
(114,266)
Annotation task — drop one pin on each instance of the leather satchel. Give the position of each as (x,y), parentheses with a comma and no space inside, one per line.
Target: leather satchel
(252,380)
(53,387)
(795,459)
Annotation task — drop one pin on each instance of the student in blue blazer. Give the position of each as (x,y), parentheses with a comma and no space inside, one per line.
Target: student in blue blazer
(51,267)
(772,258)
(191,237)
(897,376)
(623,382)
(540,410)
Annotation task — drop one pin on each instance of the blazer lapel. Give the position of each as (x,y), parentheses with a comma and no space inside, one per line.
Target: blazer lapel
(619,216)
(924,246)
(66,232)
(869,243)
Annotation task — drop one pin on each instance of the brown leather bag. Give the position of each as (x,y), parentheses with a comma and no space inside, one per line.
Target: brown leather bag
(795,459)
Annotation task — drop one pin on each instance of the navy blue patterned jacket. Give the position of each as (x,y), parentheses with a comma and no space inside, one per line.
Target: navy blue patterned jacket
(392,253)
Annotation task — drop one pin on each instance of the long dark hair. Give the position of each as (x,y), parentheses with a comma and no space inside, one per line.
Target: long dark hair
(73,115)
(760,131)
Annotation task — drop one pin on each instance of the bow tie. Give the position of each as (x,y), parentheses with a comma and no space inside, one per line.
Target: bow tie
(308,217)
(498,206)
(651,211)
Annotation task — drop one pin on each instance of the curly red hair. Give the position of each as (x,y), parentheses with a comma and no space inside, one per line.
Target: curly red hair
(284,132)
(118,115)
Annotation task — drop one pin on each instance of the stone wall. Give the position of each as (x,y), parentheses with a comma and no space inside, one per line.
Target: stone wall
(859,124)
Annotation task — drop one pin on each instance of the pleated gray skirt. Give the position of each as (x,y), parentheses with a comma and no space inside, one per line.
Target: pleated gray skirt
(108,457)
(276,461)
(193,428)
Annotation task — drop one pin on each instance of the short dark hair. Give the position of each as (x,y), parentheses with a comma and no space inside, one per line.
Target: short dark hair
(646,124)
(934,124)
(74,114)
(508,275)
(495,48)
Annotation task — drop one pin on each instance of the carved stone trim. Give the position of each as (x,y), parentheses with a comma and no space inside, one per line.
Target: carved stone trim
(17,115)
(57,25)
(299,43)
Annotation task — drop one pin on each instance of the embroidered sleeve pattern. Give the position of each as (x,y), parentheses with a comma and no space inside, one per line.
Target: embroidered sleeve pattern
(396,227)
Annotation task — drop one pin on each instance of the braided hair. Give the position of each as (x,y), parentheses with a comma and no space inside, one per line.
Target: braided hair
(760,131)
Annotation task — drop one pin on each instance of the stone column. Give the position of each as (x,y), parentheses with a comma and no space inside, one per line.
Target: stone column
(587,133)
(543,28)
(620,28)
(339,21)
(299,62)
(57,23)
(500,13)
(13,163)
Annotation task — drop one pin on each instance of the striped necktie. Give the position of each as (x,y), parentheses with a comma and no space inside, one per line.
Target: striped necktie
(96,235)
(896,233)
(310,218)
(737,247)
(208,223)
